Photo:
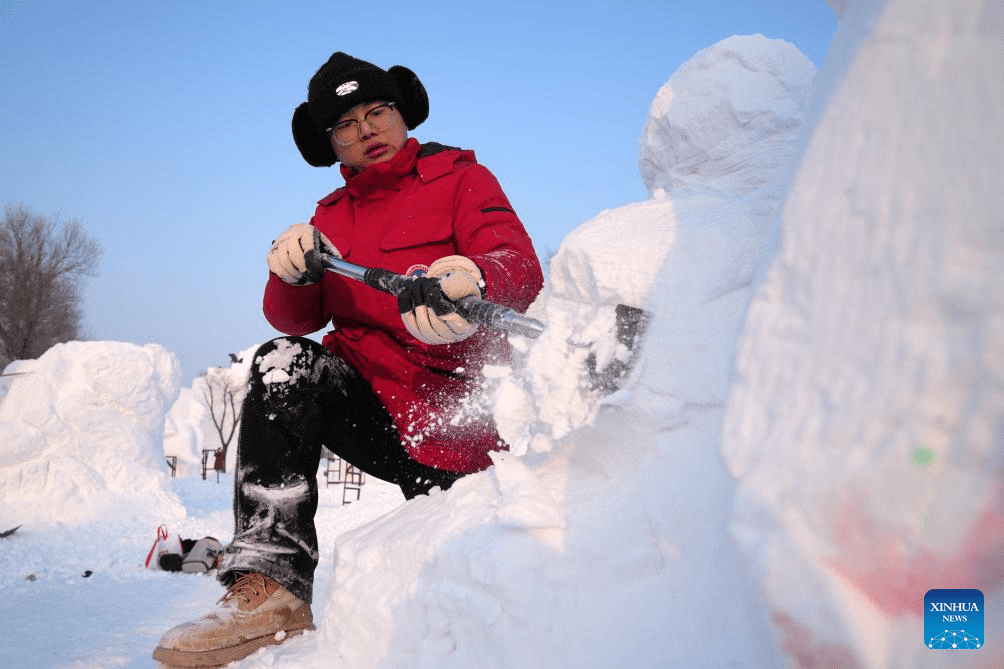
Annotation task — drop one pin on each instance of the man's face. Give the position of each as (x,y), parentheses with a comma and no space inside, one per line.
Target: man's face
(375,132)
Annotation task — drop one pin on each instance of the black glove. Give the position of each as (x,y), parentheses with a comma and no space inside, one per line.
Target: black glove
(429,316)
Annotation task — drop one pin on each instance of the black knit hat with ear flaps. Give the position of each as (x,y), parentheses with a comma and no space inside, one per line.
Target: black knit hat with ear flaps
(342,83)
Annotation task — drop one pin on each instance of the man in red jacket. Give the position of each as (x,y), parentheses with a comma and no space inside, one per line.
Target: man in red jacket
(393,388)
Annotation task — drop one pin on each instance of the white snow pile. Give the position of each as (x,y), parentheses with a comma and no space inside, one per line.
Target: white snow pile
(866,422)
(81,433)
(809,436)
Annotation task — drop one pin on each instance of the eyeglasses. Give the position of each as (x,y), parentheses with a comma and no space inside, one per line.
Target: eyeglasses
(349,131)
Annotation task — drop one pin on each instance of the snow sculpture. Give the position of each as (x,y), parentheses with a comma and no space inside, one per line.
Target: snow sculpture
(81,433)
(727,119)
(865,424)
(715,153)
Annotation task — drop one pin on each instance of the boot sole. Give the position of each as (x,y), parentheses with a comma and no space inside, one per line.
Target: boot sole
(219,657)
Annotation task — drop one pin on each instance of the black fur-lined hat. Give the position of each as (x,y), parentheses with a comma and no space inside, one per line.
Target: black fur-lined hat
(342,83)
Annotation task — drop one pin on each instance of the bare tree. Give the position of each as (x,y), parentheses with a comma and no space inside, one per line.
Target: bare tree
(42,266)
(223,393)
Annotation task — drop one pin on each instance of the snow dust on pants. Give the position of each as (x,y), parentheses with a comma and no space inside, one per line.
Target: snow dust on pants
(300,397)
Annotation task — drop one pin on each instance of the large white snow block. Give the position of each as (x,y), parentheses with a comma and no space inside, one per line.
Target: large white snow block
(81,432)
(866,424)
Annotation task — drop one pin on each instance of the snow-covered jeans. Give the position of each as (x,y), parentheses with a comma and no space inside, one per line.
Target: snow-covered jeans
(300,397)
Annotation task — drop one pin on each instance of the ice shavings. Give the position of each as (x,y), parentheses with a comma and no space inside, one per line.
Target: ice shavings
(277,507)
(274,365)
(280,496)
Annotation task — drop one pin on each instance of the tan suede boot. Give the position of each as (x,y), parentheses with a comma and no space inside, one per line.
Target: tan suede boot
(255,612)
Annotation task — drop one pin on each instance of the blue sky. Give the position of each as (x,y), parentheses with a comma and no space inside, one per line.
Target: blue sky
(164,127)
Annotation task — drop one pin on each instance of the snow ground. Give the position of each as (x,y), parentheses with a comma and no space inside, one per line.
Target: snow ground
(54,616)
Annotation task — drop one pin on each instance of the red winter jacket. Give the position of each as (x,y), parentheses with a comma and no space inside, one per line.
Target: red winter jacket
(423,204)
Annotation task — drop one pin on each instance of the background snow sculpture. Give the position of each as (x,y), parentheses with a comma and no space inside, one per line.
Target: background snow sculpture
(81,433)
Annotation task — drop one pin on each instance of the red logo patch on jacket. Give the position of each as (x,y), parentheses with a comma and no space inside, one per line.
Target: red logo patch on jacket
(417,270)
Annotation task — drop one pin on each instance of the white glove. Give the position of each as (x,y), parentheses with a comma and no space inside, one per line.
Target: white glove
(287,258)
(428,317)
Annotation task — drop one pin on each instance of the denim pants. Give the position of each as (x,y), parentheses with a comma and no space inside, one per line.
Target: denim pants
(302,397)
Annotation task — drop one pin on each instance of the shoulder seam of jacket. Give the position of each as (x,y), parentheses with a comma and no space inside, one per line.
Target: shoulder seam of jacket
(432,148)
(332,197)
